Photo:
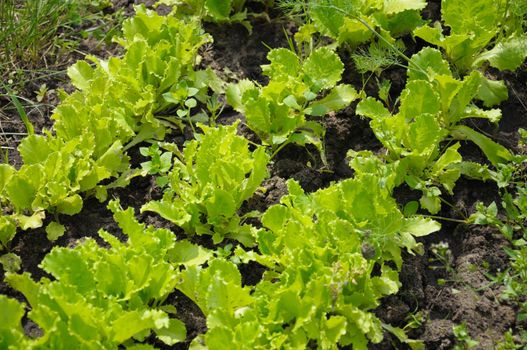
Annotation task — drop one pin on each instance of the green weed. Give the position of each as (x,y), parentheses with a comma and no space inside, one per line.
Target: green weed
(463,339)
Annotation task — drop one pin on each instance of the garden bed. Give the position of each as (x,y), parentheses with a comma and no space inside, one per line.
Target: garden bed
(452,283)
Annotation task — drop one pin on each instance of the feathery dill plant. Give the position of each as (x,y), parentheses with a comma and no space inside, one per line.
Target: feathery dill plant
(375,58)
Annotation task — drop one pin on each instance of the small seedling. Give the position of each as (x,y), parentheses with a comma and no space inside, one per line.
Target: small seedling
(160,163)
(463,339)
(442,259)
(42,92)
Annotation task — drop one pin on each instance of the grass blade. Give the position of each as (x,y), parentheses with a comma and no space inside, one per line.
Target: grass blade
(22,113)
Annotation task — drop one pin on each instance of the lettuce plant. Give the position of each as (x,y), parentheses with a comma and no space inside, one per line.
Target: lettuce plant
(298,87)
(483,24)
(432,107)
(100,297)
(121,98)
(209,182)
(454,98)
(53,174)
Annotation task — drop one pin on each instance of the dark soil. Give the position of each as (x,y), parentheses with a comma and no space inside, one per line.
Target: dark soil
(467,294)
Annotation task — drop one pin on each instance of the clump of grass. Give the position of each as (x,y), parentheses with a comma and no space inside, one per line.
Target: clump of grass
(30,26)
(28,32)
(35,31)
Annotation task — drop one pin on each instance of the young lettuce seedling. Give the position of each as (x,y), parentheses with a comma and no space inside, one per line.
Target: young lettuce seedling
(101,297)
(299,87)
(483,23)
(159,163)
(432,107)
(208,183)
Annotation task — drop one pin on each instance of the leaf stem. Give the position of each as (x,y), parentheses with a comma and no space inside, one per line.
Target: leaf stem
(445,219)
(279,148)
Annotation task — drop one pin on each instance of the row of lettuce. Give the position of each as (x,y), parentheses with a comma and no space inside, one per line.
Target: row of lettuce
(329,256)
